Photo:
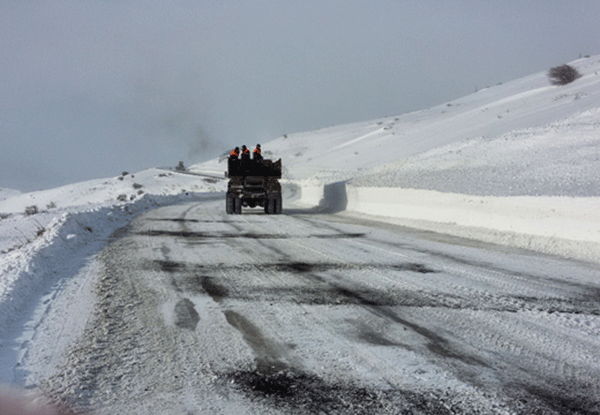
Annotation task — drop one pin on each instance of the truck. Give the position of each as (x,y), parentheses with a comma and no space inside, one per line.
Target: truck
(253,183)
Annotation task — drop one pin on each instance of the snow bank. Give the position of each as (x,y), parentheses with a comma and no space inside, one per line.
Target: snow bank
(65,244)
(566,226)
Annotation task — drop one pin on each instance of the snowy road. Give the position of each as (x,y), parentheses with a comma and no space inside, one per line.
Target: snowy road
(201,312)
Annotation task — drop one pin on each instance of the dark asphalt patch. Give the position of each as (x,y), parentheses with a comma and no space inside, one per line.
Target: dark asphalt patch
(302,267)
(179,233)
(183,220)
(213,288)
(571,399)
(307,267)
(246,235)
(170,266)
(338,235)
(176,220)
(302,393)
(292,267)
(370,336)
(186,316)
(420,268)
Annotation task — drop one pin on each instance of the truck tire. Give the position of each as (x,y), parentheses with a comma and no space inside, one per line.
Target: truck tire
(229,204)
(237,206)
(270,206)
(278,205)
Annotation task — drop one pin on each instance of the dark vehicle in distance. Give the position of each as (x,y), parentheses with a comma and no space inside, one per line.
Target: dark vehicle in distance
(253,183)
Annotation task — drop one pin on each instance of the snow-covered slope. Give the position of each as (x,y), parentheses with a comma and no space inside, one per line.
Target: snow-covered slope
(529,107)
(558,159)
(74,221)
(24,214)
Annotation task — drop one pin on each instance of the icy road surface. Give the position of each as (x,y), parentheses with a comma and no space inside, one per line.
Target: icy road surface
(198,312)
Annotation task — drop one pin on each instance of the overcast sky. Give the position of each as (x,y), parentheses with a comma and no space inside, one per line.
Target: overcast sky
(91,88)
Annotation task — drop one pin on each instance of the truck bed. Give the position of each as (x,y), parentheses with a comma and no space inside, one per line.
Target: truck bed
(265,168)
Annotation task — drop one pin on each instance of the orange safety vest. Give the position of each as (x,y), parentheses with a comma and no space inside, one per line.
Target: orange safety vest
(234,153)
(257,151)
(246,151)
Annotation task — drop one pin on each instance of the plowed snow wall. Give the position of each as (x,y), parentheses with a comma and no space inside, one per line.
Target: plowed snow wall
(558,225)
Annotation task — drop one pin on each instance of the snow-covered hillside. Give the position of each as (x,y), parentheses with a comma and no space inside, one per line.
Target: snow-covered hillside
(558,159)
(75,221)
(527,108)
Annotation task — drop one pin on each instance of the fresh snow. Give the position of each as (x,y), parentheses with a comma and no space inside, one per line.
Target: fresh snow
(34,247)
(516,164)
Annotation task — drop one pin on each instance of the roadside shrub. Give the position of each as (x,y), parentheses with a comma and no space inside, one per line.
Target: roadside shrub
(50,205)
(31,210)
(137,186)
(122,197)
(563,75)
(180,166)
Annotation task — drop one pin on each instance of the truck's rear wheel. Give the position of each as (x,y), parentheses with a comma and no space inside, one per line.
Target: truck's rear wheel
(278,205)
(237,206)
(229,204)
(273,205)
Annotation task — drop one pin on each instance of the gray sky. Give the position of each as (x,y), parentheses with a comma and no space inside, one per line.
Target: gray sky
(91,88)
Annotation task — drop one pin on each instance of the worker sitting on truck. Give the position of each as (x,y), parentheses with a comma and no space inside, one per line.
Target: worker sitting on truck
(245,153)
(257,154)
(235,154)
